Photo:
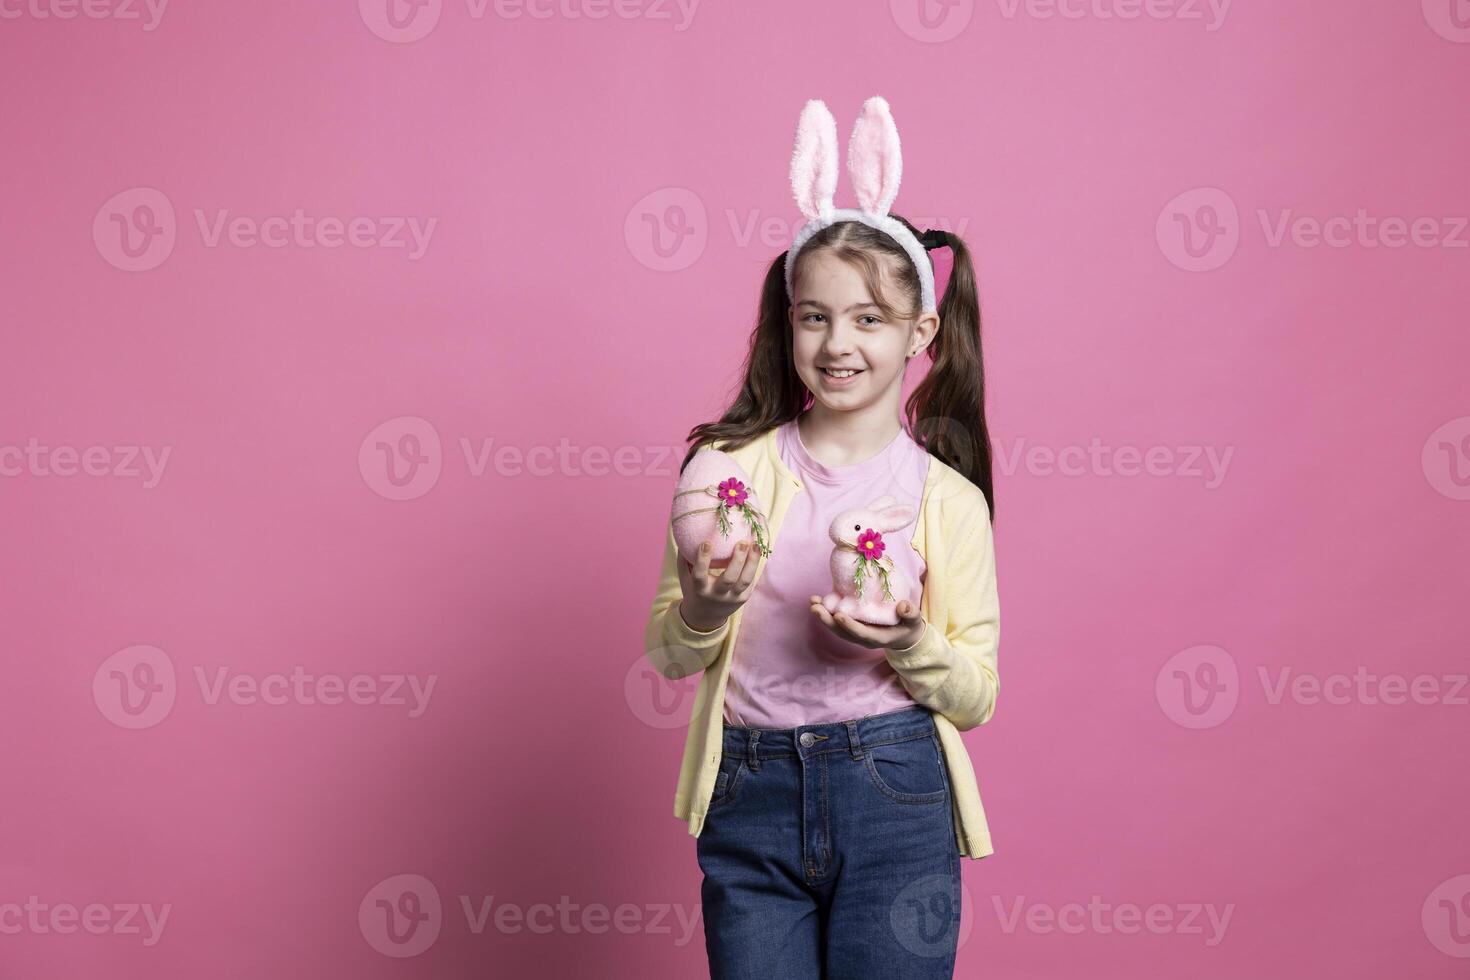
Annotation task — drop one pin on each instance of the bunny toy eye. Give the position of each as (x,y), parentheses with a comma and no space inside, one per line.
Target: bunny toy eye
(857,527)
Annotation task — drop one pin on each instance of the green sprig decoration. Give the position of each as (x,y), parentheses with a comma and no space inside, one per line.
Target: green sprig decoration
(862,570)
(752,517)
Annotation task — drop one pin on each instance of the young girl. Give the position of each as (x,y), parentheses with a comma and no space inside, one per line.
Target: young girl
(824,776)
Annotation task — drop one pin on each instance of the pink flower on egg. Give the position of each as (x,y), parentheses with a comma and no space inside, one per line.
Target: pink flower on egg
(732,492)
(870,544)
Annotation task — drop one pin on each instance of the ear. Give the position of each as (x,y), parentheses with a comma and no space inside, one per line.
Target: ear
(896,517)
(881,502)
(814,161)
(874,160)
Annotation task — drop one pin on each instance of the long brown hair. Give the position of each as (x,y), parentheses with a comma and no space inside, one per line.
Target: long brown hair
(946,412)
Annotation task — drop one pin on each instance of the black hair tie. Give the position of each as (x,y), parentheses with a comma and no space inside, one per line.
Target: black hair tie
(934,238)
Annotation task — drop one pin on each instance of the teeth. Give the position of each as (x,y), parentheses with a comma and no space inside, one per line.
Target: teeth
(840,374)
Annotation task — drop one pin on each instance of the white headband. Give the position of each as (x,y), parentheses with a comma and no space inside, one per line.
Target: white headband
(874,164)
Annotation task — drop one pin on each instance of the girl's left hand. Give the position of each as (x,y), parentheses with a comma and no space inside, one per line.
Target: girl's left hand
(909,630)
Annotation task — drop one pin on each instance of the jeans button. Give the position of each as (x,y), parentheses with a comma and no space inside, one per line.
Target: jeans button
(807,738)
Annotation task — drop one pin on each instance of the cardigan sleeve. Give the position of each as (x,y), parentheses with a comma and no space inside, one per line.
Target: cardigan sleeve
(675,648)
(952,667)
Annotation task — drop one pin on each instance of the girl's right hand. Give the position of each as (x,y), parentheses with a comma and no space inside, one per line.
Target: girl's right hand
(711,597)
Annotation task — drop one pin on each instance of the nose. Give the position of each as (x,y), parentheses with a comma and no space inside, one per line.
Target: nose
(839,341)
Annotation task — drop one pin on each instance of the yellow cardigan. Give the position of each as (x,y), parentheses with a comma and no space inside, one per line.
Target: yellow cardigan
(951,670)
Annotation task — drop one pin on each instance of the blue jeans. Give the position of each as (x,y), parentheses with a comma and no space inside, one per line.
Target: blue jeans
(829,852)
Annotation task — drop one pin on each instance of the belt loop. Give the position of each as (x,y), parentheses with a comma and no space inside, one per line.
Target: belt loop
(854,743)
(754,759)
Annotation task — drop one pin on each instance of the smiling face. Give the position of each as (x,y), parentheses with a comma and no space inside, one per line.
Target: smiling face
(837,328)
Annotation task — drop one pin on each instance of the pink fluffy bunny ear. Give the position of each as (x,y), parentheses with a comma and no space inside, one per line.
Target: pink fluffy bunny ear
(814,162)
(874,160)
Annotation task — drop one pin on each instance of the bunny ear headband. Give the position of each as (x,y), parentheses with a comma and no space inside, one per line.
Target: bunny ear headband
(874,164)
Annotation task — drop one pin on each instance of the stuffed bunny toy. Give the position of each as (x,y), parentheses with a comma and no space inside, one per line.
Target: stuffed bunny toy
(866,585)
(714,501)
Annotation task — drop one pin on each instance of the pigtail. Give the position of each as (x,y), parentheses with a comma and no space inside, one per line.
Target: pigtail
(947,410)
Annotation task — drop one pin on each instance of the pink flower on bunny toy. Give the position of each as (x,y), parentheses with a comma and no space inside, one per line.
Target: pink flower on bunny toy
(857,556)
(870,544)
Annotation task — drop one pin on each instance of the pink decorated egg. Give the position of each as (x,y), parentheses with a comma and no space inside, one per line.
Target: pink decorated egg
(715,502)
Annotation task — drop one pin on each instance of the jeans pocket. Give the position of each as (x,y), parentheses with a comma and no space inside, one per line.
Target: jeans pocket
(727,781)
(908,771)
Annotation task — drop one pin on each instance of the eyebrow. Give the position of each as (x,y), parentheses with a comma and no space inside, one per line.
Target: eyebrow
(855,306)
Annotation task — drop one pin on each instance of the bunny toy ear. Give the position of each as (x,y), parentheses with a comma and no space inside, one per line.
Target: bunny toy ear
(874,160)
(814,162)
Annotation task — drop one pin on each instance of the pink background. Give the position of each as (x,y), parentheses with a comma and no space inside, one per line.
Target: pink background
(588,283)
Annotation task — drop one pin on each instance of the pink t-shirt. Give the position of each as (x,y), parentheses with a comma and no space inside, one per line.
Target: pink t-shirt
(788,668)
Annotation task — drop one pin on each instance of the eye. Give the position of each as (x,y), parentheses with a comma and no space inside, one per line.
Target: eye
(869,316)
(808,317)
(857,527)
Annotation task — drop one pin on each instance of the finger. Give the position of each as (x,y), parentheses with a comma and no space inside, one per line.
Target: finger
(747,577)
(908,612)
(702,560)
(859,632)
(735,568)
(834,623)
(686,582)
